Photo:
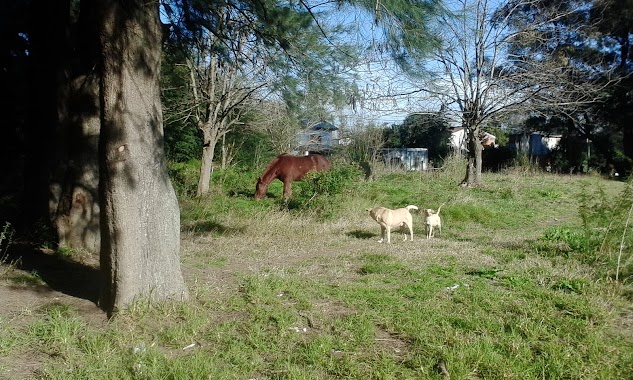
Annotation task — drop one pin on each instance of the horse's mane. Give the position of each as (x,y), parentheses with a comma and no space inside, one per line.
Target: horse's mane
(273,163)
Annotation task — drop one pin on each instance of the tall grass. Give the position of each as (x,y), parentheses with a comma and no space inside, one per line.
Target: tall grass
(6,236)
(605,237)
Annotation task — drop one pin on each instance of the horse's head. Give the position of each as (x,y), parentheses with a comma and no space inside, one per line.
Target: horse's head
(260,190)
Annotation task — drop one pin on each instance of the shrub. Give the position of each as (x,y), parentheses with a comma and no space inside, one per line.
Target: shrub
(321,191)
(184,177)
(605,237)
(334,181)
(235,181)
(6,235)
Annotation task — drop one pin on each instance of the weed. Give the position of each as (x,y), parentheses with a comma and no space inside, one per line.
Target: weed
(6,236)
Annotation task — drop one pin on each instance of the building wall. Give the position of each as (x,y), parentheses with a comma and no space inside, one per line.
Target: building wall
(411,159)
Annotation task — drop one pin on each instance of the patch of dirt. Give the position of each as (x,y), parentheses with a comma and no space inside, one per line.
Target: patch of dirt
(33,279)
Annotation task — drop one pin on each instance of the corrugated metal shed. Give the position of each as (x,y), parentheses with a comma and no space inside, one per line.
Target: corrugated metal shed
(407,158)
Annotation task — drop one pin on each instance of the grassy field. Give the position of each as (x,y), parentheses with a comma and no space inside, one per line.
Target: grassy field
(521,284)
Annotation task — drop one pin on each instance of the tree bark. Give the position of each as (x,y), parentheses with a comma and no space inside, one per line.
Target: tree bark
(140,218)
(473,168)
(208,151)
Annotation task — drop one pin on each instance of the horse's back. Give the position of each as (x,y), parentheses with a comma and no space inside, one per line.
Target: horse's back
(321,162)
(295,167)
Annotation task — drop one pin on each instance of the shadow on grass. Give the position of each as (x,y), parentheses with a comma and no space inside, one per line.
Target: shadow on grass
(242,194)
(48,270)
(209,227)
(359,234)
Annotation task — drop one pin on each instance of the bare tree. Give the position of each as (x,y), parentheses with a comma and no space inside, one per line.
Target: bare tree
(222,85)
(224,93)
(278,123)
(365,148)
(481,69)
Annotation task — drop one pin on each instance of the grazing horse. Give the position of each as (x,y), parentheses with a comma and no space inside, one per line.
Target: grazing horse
(287,169)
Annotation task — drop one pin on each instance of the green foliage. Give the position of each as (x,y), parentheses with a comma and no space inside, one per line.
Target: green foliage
(184,177)
(323,192)
(573,240)
(422,131)
(235,181)
(182,138)
(58,331)
(250,148)
(6,235)
(365,142)
(182,142)
(605,237)
(333,182)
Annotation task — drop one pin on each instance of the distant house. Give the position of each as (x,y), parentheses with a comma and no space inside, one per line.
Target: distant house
(319,138)
(536,144)
(457,140)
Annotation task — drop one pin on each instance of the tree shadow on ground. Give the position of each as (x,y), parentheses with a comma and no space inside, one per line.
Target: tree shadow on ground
(59,273)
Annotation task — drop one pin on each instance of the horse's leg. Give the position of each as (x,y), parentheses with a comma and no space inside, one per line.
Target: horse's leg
(287,189)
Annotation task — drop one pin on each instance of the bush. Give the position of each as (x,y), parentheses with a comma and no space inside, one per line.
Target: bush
(235,181)
(605,237)
(333,182)
(323,191)
(184,177)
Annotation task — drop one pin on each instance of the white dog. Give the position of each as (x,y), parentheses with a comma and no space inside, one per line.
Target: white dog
(389,219)
(433,221)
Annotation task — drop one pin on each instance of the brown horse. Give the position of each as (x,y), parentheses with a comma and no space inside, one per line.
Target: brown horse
(287,169)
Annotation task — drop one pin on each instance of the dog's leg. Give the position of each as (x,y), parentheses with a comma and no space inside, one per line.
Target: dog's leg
(388,234)
(382,234)
(410,228)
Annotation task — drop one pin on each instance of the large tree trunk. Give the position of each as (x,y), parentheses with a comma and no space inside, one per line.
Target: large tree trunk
(140,218)
(473,168)
(206,164)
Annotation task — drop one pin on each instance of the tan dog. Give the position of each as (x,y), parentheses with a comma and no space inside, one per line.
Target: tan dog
(433,221)
(389,219)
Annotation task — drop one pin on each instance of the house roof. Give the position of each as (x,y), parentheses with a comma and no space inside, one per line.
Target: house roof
(324,126)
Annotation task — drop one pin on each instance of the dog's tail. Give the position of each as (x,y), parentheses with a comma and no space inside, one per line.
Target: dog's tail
(439,208)
(411,207)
